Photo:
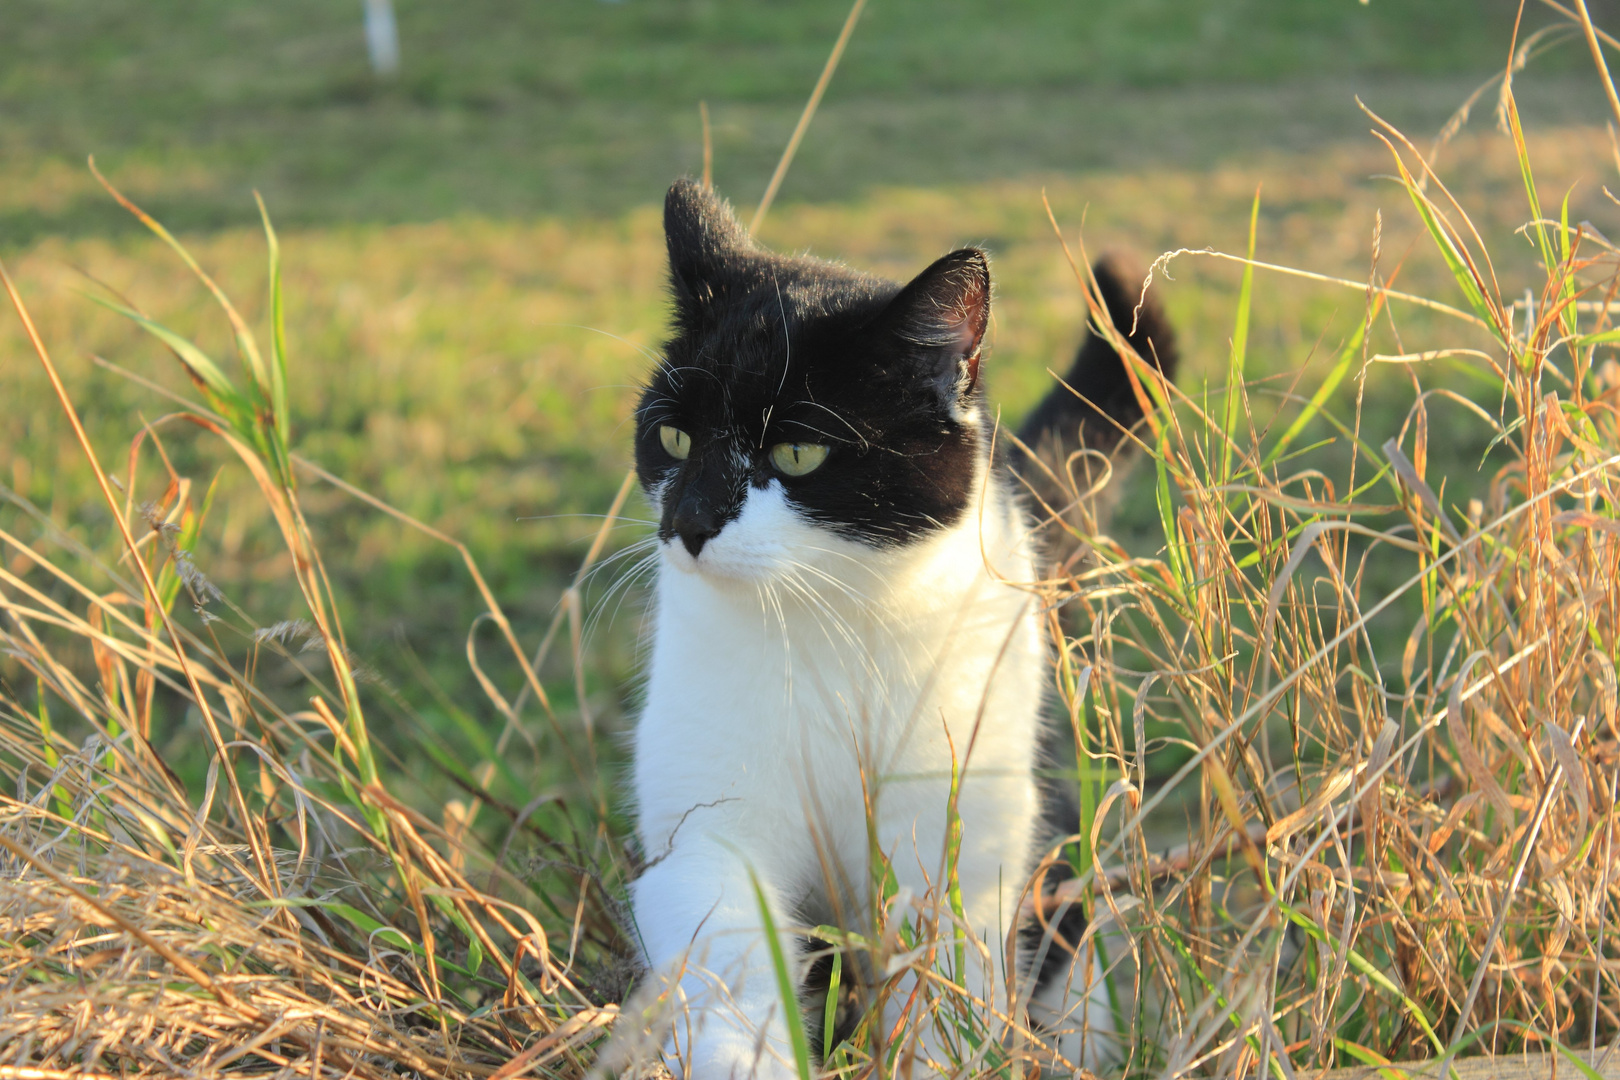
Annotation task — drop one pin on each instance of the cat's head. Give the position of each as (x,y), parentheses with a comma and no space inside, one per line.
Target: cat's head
(802,407)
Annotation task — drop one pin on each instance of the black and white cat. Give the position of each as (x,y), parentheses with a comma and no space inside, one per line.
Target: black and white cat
(844,607)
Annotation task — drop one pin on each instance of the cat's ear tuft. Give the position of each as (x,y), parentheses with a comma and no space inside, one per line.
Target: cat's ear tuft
(703,234)
(943,314)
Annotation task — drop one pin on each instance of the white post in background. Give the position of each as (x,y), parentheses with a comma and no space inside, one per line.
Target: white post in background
(382,36)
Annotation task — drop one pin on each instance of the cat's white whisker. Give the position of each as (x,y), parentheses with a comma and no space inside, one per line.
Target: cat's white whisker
(823,614)
(621,587)
(860,437)
(787,360)
(623,522)
(634,547)
(824,609)
(638,551)
(844,587)
(771,604)
(636,345)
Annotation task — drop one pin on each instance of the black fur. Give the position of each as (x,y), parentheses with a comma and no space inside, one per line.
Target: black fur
(1094,412)
(1102,404)
(1060,818)
(770,349)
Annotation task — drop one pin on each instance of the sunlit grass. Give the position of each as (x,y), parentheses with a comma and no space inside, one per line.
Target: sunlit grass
(477,374)
(1354,650)
(591,107)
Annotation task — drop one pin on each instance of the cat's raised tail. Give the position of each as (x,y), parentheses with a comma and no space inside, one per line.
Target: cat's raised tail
(1095,405)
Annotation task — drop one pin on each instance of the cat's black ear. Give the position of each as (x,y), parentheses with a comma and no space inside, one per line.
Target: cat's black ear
(941,316)
(704,239)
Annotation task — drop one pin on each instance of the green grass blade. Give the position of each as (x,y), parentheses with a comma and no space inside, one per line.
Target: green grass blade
(1191,965)
(830,1011)
(1368,1057)
(475,948)
(197,362)
(1529,179)
(1078,688)
(1366,968)
(1607,337)
(244,341)
(1460,270)
(1167,515)
(278,332)
(1577,1061)
(1563,230)
(953,879)
(1238,360)
(1567,287)
(784,981)
(1341,368)
(64,802)
(369,927)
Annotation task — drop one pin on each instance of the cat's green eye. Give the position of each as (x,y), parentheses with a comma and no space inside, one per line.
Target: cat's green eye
(797,458)
(677,443)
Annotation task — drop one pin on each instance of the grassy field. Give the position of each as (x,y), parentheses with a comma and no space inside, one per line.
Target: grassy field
(477,374)
(521,111)
(472,267)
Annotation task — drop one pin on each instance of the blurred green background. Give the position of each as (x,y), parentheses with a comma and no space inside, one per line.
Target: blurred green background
(474,265)
(579,106)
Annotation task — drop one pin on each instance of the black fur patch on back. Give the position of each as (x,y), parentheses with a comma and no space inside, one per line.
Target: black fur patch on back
(1092,412)
(769,349)
(1060,817)
(1100,405)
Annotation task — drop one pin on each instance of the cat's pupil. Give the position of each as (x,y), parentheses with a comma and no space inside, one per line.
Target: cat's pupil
(677,443)
(798,459)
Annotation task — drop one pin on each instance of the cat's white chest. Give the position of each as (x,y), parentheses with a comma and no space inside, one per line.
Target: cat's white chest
(782,707)
(806,697)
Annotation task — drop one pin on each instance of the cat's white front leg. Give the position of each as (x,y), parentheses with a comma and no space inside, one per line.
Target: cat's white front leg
(995,807)
(945,1024)
(699,921)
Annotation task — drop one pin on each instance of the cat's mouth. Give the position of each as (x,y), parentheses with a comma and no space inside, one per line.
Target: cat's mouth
(720,560)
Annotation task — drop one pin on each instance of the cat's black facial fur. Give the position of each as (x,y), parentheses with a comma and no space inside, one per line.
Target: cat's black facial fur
(770,349)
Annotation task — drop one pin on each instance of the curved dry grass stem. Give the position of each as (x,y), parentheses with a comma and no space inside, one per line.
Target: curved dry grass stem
(1414,299)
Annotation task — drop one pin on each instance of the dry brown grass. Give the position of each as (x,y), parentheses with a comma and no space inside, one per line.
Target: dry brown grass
(294,916)
(1390,851)
(1394,853)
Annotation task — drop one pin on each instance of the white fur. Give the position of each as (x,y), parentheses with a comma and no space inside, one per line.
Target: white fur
(787,665)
